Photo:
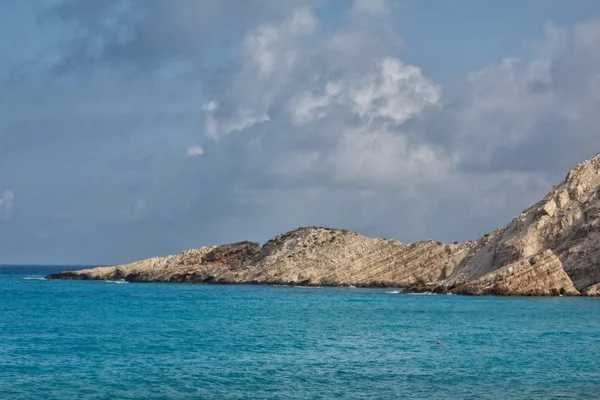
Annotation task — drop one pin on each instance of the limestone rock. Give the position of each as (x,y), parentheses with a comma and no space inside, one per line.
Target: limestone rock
(542,275)
(322,256)
(210,264)
(552,248)
(593,290)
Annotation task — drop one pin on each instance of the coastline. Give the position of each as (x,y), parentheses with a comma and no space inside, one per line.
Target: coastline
(408,290)
(551,249)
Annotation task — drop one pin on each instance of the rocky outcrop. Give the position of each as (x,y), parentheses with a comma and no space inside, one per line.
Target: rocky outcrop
(309,256)
(552,248)
(204,265)
(541,275)
(321,256)
(593,291)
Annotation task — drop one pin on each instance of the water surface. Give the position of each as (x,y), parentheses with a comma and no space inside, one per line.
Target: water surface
(104,340)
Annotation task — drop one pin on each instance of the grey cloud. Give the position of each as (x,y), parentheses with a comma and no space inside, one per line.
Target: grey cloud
(509,128)
(316,96)
(504,124)
(151,34)
(308,129)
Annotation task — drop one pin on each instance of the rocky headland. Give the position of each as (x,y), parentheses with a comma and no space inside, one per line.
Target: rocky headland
(552,248)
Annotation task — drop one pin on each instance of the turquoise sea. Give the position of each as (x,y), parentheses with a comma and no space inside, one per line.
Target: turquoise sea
(108,340)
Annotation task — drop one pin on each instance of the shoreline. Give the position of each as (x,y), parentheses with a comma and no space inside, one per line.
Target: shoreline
(551,249)
(402,290)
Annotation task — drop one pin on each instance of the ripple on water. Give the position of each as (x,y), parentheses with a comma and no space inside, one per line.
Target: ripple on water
(85,339)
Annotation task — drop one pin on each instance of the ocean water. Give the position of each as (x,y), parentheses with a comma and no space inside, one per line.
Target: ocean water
(109,340)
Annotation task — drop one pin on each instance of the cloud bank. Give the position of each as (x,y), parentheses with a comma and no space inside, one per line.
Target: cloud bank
(291,118)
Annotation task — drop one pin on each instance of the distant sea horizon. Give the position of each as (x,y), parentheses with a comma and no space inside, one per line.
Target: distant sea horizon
(51,266)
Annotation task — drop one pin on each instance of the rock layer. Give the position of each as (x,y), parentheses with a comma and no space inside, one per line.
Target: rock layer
(541,275)
(552,248)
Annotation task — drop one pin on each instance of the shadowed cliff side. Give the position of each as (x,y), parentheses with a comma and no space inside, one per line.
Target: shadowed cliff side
(552,248)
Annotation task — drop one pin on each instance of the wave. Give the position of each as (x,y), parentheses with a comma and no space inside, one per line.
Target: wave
(34,278)
(119,282)
(422,294)
(309,287)
(412,294)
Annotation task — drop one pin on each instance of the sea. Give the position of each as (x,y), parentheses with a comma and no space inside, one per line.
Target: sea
(116,340)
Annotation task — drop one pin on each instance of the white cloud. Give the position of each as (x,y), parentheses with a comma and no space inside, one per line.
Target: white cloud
(348,112)
(266,48)
(267,60)
(306,106)
(397,92)
(211,106)
(393,91)
(241,119)
(532,114)
(212,130)
(7,203)
(302,22)
(316,123)
(381,157)
(195,151)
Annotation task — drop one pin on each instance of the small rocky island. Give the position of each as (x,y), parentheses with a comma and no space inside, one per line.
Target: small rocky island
(551,249)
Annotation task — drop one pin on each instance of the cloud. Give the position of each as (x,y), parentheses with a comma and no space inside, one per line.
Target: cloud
(240,119)
(393,91)
(349,115)
(378,124)
(536,115)
(7,203)
(307,119)
(369,156)
(398,92)
(149,35)
(195,151)
(267,59)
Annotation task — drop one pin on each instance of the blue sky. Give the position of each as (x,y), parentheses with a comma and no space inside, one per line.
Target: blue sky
(130,129)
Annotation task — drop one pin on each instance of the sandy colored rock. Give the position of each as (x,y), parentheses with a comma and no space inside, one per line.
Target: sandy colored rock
(552,248)
(541,275)
(322,256)
(593,291)
(206,264)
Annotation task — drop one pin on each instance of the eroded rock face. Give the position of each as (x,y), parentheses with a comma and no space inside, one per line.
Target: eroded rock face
(321,256)
(593,290)
(552,248)
(541,275)
(207,264)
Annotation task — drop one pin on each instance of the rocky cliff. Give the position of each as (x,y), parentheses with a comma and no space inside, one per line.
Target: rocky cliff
(552,248)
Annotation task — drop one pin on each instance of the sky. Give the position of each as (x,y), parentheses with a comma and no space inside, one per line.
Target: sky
(138,128)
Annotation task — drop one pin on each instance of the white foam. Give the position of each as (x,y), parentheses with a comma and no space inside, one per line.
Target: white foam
(394,292)
(34,278)
(309,287)
(119,282)
(422,294)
